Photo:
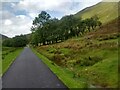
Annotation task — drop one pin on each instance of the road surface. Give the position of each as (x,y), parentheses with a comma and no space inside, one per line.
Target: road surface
(28,71)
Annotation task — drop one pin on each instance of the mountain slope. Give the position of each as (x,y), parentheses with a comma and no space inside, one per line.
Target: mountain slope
(106,11)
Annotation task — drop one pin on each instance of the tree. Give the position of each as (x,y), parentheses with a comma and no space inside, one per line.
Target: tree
(20,41)
(41,19)
(81,26)
(88,23)
(47,30)
(51,28)
(94,21)
(8,42)
(35,38)
(17,41)
(38,26)
(99,23)
(68,24)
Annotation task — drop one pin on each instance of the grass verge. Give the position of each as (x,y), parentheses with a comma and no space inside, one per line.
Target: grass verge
(8,60)
(63,74)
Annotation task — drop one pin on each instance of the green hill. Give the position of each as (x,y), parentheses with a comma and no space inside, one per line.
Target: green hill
(106,11)
(87,61)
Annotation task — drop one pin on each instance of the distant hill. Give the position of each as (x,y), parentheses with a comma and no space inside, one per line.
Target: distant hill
(106,11)
(3,36)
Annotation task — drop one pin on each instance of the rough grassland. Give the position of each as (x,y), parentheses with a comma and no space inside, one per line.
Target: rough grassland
(106,11)
(62,73)
(88,61)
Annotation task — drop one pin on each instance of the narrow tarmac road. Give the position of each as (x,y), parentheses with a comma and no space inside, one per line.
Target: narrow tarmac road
(28,71)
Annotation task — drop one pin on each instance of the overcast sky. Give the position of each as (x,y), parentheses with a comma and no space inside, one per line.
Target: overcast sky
(17,15)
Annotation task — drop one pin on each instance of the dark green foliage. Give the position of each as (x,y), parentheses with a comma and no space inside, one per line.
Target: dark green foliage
(41,19)
(46,30)
(17,41)
(7,42)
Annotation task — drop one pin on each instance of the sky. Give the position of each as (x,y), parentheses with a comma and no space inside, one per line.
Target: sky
(16,16)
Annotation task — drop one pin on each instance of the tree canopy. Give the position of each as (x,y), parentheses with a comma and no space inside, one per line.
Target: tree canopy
(47,30)
(17,41)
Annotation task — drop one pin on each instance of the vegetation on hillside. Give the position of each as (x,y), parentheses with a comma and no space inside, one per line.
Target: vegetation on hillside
(88,57)
(90,60)
(17,41)
(46,30)
(106,11)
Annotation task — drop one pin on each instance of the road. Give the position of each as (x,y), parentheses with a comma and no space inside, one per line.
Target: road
(28,71)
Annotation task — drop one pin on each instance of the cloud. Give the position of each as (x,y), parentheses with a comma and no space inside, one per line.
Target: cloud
(7,22)
(17,16)
(17,25)
(6,14)
(66,7)
(32,6)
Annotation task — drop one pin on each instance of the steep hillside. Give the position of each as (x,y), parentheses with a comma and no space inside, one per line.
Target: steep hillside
(91,59)
(106,11)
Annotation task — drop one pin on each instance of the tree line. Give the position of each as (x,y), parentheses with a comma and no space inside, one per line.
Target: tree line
(17,41)
(47,30)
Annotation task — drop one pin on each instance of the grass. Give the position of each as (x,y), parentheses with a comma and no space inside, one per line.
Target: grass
(103,73)
(102,10)
(91,66)
(63,74)
(87,61)
(10,55)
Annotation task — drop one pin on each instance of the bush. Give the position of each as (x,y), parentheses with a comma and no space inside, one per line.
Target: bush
(51,50)
(107,37)
(89,61)
(58,58)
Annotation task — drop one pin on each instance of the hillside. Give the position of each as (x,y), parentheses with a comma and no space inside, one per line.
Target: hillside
(91,59)
(106,11)
(3,36)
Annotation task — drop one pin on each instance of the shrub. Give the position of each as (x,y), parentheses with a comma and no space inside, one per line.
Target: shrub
(52,50)
(58,58)
(89,61)
(107,37)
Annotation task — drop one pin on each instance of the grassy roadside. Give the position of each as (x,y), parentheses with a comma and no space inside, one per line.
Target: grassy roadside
(62,73)
(90,61)
(86,67)
(8,60)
